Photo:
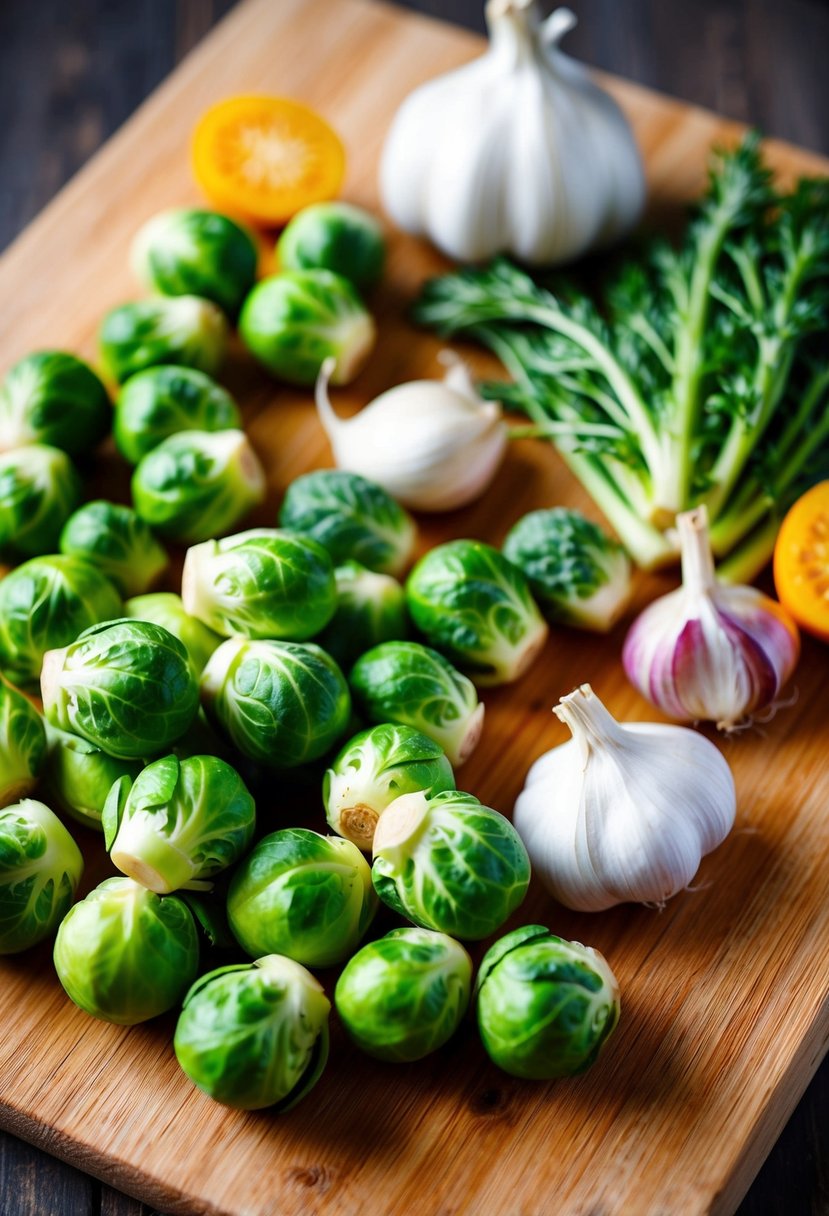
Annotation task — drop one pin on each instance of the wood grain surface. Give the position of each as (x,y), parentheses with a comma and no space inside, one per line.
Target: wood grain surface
(725,1006)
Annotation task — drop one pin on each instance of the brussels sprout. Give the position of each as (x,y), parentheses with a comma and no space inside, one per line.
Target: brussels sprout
(371,608)
(334,236)
(281,703)
(197,253)
(126,686)
(165,608)
(260,584)
(545,1006)
(145,333)
(354,519)
(45,603)
(255,1036)
(292,322)
(409,683)
(118,542)
(163,401)
(372,770)
(124,954)
(197,484)
(22,745)
(39,489)
(473,604)
(303,895)
(178,822)
(78,776)
(40,868)
(449,863)
(53,397)
(402,997)
(577,573)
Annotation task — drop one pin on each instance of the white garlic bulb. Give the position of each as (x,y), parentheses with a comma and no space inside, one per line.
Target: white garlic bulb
(622,812)
(516,152)
(434,445)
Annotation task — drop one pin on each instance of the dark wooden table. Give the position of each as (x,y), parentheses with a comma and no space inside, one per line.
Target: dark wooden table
(71,73)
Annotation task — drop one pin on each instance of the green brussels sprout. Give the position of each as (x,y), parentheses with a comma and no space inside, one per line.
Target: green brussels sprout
(281,703)
(474,605)
(255,1035)
(545,1006)
(22,745)
(402,997)
(163,401)
(39,489)
(40,868)
(371,608)
(260,584)
(78,776)
(165,608)
(46,603)
(54,398)
(577,573)
(198,484)
(124,685)
(448,863)
(412,684)
(354,519)
(372,770)
(118,542)
(303,895)
(165,329)
(197,253)
(292,322)
(178,822)
(334,236)
(125,954)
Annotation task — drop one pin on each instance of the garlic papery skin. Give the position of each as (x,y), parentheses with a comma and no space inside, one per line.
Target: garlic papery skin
(516,152)
(434,445)
(622,812)
(710,651)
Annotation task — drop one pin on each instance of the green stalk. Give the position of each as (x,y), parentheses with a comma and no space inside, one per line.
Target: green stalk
(745,562)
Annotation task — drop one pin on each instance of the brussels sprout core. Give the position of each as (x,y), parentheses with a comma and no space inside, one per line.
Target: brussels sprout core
(399,826)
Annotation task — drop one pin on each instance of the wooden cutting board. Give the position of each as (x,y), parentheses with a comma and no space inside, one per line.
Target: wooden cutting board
(724,1006)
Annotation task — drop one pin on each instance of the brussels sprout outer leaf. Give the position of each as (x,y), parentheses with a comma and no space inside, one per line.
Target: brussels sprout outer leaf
(118,542)
(39,489)
(334,236)
(22,745)
(501,948)
(78,776)
(114,809)
(53,397)
(163,401)
(165,608)
(190,251)
(40,868)
(371,608)
(211,918)
(180,330)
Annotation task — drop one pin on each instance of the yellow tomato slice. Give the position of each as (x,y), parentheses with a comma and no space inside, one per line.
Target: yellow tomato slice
(801,561)
(265,158)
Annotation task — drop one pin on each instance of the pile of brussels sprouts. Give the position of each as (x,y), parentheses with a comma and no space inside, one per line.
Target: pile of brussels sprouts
(292,651)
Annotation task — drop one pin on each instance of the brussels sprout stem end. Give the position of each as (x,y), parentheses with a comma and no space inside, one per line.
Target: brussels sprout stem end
(358,824)
(400,823)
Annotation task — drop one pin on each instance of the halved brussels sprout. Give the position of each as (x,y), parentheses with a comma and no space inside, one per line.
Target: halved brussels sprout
(262,583)
(281,703)
(409,683)
(124,954)
(126,686)
(402,997)
(577,573)
(448,863)
(22,745)
(303,895)
(165,329)
(372,770)
(178,822)
(198,484)
(118,542)
(163,401)
(39,489)
(40,868)
(255,1035)
(78,776)
(46,603)
(546,1007)
(474,605)
(292,322)
(165,608)
(194,252)
(334,236)
(354,519)
(371,608)
(54,398)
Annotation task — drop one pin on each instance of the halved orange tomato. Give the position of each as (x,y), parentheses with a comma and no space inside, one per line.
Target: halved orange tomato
(265,158)
(801,561)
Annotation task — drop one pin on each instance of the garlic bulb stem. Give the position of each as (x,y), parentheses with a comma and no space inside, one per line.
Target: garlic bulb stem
(698,574)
